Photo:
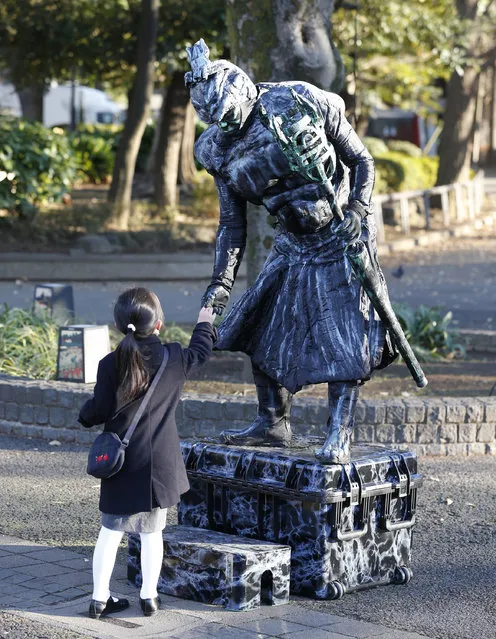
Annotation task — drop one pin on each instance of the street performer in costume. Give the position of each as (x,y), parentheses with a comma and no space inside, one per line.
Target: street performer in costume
(307,318)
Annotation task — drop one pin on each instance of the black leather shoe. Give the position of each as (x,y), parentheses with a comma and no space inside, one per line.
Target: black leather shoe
(150,606)
(101,608)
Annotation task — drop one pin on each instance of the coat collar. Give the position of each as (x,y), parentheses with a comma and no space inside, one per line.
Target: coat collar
(149,340)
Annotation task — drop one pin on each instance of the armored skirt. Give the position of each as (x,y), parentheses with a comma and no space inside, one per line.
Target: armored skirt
(306,319)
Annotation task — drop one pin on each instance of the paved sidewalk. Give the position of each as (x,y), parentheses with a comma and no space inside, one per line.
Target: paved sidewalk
(52,586)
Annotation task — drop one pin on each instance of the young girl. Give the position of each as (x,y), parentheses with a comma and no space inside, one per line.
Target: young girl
(153,475)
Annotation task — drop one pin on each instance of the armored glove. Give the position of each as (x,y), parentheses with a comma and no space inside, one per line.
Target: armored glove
(216,296)
(350,228)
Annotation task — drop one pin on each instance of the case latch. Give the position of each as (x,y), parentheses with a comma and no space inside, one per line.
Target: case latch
(404,493)
(357,500)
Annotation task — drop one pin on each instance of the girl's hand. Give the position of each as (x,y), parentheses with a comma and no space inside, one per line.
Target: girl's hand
(206,315)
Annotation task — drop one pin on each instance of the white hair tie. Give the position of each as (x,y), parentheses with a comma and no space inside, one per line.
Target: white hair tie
(132,327)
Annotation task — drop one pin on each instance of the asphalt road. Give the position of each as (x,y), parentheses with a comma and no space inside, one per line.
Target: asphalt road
(459,275)
(46,497)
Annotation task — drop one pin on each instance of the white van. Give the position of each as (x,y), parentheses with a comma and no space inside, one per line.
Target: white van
(92,106)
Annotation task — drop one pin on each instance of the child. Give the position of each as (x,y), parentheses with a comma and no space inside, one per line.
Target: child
(153,476)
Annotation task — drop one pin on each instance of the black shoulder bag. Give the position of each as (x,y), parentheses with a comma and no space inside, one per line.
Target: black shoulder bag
(107,453)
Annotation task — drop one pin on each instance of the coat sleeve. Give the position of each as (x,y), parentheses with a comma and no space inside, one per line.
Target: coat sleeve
(200,347)
(101,406)
(350,149)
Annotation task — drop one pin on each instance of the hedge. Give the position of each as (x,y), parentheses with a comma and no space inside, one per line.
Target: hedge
(36,165)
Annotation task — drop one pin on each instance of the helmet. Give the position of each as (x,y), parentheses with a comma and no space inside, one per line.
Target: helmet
(220,91)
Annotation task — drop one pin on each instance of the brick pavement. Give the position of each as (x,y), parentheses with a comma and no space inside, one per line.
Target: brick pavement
(52,586)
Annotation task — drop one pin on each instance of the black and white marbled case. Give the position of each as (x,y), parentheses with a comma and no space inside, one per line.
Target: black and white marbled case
(216,568)
(349,526)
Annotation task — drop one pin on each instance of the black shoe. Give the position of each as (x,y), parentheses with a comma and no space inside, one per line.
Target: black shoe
(150,606)
(100,608)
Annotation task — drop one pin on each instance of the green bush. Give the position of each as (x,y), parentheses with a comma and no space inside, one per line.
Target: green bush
(390,174)
(28,344)
(107,131)
(36,165)
(94,156)
(375,146)
(428,331)
(402,146)
(95,146)
(400,172)
(174,333)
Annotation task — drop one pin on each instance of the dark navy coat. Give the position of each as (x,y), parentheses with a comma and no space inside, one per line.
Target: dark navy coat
(153,473)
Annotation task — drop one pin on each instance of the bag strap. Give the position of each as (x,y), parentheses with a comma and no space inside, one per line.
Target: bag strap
(146,399)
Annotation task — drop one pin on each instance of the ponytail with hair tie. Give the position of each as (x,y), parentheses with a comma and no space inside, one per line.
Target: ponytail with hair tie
(143,306)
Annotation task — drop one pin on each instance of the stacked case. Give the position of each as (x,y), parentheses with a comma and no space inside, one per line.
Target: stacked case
(349,526)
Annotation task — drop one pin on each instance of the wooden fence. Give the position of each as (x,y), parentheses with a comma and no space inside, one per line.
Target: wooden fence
(459,202)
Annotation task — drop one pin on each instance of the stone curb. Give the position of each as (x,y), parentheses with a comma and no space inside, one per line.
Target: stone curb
(477,341)
(430,426)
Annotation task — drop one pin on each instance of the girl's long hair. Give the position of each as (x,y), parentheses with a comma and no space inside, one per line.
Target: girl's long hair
(141,308)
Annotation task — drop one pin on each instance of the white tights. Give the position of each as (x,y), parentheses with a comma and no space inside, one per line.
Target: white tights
(152,553)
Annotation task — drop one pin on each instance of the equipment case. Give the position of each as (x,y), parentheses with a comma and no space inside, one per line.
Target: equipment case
(349,526)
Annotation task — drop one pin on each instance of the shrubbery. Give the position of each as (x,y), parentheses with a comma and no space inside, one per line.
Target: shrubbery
(36,165)
(402,146)
(429,332)
(400,166)
(39,165)
(94,156)
(28,344)
(375,146)
(95,146)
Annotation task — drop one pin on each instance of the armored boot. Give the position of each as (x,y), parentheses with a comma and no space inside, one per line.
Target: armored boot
(271,427)
(342,402)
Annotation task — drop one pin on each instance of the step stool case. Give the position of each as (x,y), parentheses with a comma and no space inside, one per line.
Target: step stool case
(349,526)
(216,568)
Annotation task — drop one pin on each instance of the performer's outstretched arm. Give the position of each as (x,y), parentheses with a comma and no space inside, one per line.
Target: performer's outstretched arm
(229,247)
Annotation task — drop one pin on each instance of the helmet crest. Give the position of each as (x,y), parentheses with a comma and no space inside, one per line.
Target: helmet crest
(198,56)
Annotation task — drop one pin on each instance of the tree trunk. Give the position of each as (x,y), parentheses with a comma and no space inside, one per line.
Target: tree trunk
(457,136)
(278,41)
(150,163)
(455,146)
(172,116)
(137,115)
(31,99)
(285,40)
(187,168)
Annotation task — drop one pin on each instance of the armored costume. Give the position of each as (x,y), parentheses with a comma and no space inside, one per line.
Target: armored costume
(306,319)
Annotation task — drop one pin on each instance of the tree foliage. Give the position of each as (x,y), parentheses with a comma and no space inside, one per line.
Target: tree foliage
(36,166)
(402,50)
(46,40)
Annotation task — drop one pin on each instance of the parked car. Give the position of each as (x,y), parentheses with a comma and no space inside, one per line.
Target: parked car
(92,105)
